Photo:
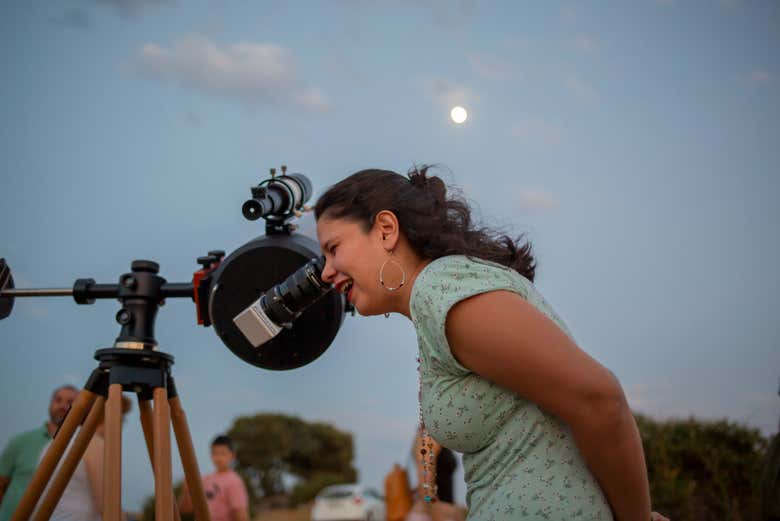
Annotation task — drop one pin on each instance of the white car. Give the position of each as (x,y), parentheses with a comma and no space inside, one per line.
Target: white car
(347,503)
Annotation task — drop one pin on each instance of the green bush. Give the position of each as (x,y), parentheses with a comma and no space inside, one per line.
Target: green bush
(702,470)
(148,509)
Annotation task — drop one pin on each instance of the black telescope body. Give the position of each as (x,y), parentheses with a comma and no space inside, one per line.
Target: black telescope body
(308,315)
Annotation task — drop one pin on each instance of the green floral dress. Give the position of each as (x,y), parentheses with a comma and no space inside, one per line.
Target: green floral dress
(520,462)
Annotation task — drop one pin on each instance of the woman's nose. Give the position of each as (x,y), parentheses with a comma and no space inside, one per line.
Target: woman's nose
(328,273)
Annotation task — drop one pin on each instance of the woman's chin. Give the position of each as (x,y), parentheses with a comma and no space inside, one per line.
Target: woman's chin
(364,310)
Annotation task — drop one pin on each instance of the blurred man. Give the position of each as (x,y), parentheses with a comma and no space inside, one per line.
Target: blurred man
(20,457)
(224,489)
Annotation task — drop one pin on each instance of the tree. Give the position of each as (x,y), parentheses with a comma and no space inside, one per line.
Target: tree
(702,470)
(147,512)
(769,485)
(270,447)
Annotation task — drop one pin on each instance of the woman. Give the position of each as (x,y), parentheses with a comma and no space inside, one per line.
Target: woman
(545,431)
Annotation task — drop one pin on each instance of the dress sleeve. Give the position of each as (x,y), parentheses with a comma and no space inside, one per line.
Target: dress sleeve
(444,284)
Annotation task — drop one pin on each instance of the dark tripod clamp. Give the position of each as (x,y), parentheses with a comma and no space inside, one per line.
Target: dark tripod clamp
(141,292)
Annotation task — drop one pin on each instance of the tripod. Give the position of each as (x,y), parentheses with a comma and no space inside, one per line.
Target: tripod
(132,365)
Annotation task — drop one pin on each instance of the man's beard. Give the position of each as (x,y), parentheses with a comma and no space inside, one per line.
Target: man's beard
(57,419)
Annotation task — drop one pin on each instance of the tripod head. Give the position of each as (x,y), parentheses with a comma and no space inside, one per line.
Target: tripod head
(224,286)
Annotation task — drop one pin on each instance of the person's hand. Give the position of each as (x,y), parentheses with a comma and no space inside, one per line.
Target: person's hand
(655,516)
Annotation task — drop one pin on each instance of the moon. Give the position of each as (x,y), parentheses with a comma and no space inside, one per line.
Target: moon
(459,114)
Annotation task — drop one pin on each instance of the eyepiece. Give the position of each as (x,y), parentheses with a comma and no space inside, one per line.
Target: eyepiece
(252,210)
(283,303)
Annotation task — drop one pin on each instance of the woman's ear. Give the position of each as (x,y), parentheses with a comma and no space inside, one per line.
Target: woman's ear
(386,227)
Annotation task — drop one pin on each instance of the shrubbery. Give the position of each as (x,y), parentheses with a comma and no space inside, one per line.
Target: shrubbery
(699,470)
(702,470)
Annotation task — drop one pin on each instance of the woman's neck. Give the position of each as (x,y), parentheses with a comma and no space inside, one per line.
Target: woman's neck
(404,295)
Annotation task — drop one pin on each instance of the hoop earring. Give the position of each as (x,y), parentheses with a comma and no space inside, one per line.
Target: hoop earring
(382,274)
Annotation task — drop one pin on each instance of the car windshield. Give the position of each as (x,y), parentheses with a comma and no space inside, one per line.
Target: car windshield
(336,494)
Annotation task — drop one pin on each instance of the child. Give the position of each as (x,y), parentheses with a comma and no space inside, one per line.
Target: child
(225,491)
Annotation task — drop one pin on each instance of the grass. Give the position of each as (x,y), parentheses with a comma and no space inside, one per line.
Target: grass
(302,513)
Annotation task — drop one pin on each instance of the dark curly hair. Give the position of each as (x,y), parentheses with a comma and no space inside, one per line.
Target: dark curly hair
(224,440)
(435,223)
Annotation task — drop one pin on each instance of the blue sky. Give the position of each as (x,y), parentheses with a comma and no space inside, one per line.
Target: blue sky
(635,142)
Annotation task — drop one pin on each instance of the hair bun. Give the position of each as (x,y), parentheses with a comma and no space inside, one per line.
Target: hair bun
(418,177)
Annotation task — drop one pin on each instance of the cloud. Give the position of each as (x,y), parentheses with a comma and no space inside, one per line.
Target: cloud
(760,77)
(587,44)
(582,90)
(448,94)
(492,67)
(73,17)
(250,73)
(536,200)
(132,8)
(537,133)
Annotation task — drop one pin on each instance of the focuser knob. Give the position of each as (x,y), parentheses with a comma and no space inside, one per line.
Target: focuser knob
(207,260)
(145,265)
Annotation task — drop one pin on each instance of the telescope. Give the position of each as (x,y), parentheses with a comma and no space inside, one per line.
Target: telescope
(265,300)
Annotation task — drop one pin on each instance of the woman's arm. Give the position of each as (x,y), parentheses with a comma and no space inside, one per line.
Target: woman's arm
(505,339)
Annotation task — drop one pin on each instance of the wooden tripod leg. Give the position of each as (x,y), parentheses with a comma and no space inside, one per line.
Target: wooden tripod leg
(147,420)
(40,479)
(112,457)
(163,474)
(70,462)
(189,461)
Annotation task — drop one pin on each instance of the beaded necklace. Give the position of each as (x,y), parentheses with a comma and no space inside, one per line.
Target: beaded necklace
(426,451)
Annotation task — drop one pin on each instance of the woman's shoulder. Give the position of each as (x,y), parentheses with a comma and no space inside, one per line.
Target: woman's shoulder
(461,271)
(447,280)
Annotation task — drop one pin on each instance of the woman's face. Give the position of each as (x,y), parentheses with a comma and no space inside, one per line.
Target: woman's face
(352,261)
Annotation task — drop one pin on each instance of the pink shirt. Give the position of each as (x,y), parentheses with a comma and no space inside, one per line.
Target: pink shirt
(224,492)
